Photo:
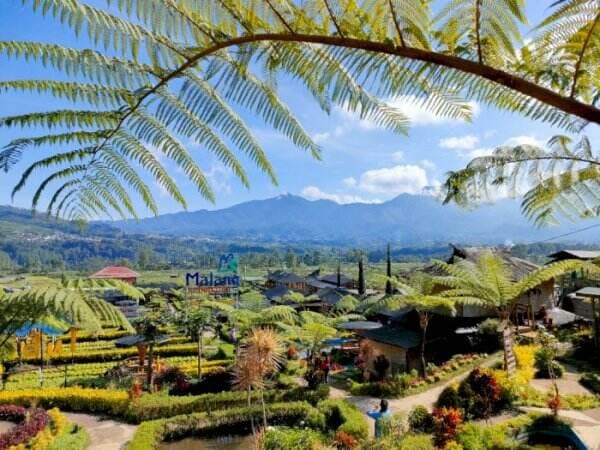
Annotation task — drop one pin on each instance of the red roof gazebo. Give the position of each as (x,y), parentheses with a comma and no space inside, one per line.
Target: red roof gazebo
(120,273)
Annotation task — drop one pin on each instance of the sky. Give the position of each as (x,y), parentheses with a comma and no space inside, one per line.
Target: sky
(361,163)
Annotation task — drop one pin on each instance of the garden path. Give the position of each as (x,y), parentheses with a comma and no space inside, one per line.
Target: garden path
(405,404)
(568,384)
(104,434)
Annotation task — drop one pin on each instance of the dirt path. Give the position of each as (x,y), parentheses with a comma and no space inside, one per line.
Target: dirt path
(104,434)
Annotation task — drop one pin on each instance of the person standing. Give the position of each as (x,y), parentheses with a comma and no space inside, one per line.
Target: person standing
(380,416)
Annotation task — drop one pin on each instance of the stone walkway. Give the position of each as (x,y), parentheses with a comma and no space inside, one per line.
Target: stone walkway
(568,384)
(104,434)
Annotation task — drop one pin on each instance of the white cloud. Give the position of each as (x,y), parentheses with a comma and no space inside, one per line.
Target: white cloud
(429,165)
(397,156)
(413,108)
(349,182)
(314,193)
(395,180)
(319,138)
(467,142)
(219,177)
(524,140)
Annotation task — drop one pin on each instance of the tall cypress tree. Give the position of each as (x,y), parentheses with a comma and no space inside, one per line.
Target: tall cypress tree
(388,284)
(362,287)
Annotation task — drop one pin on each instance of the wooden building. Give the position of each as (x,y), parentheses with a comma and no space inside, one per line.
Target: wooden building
(120,273)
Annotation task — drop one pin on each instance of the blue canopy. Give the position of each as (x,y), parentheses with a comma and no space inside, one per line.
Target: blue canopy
(26,329)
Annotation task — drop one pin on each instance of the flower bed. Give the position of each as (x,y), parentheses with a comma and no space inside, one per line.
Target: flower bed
(101,401)
(29,422)
(405,384)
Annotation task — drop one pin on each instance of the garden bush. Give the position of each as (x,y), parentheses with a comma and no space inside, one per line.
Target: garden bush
(591,381)
(420,420)
(343,416)
(544,360)
(502,435)
(478,396)
(446,424)
(285,438)
(74,437)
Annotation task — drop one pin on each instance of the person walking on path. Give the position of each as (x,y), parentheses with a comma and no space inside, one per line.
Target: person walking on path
(380,416)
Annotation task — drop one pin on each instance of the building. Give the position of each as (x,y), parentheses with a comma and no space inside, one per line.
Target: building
(119,273)
(399,345)
(583,255)
(286,279)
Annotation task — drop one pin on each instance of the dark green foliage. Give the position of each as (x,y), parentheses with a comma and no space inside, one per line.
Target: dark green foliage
(591,381)
(450,398)
(545,364)
(420,420)
(478,396)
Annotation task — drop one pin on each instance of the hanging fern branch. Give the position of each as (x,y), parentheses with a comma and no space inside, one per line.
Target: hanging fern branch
(185,66)
(563,180)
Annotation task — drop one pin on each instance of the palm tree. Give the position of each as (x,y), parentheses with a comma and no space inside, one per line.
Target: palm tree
(260,356)
(150,82)
(490,283)
(420,294)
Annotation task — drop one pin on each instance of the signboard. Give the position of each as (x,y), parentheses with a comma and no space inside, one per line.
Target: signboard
(225,281)
(228,263)
(510,362)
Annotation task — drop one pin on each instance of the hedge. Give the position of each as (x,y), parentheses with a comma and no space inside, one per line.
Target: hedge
(100,401)
(159,406)
(149,435)
(73,437)
(150,406)
(115,354)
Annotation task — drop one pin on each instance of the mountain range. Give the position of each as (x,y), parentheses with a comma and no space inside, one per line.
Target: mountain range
(409,220)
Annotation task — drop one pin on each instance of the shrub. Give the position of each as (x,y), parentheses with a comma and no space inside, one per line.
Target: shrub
(343,416)
(478,396)
(210,383)
(292,439)
(446,423)
(490,337)
(544,360)
(345,441)
(591,381)
(449,398)
(414,442)
(420,420)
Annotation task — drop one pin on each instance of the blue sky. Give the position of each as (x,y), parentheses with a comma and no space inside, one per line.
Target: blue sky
(360,162)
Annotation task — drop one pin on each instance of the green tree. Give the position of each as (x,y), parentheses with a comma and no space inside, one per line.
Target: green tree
(420,294)
(150,82)
(194,318)
(6,263)
(490,283)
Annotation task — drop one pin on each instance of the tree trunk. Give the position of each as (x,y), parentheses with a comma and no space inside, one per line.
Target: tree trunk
(264,408)
(150,374)
(595,323)
(424,322)
(251,416)
(200,352)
